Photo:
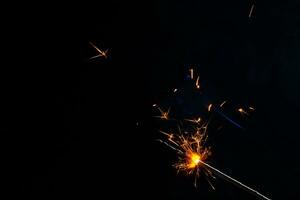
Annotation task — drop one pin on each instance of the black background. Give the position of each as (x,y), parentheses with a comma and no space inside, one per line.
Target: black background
(76,134)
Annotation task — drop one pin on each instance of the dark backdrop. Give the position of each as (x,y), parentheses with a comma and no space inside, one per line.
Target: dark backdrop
(77,132)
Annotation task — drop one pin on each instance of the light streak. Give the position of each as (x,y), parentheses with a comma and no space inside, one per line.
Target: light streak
(251,10)
(100,52)
(192,73)
(222,104)
(209,107)
(197,83)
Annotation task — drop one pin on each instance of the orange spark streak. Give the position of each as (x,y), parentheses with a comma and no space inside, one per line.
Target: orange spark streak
(101,53)
(191,151)
(196,121)
(163,114)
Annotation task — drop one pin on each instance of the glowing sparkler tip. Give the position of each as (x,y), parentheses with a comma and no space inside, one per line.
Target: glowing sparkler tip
(194,160)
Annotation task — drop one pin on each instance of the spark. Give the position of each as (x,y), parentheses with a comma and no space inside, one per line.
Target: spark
(209,107)
(196,121)
(222,104)
(242,111)
(175,90)
(163,114)
(251,108)
(197,83)
(192,73)
(154,105)
(251,10)
(100,52)
(170,137)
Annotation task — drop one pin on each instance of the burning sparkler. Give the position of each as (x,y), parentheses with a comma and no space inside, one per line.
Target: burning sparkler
(192,148)
(193,153)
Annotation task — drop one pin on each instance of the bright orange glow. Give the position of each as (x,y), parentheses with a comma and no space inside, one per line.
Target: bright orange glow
(191,149)
(194,160)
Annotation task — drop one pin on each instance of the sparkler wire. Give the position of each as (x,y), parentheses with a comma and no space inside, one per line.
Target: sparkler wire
(234,181)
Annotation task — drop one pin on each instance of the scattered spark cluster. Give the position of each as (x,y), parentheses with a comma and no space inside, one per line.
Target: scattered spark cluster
(191,148)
